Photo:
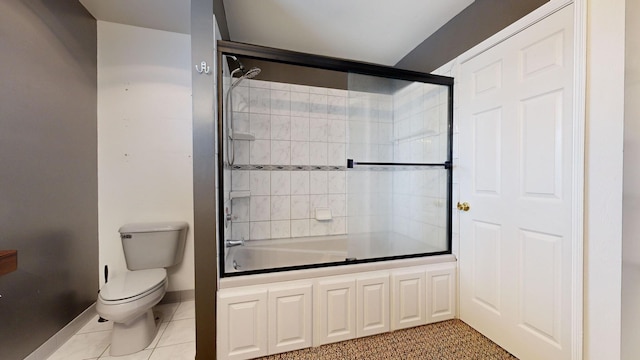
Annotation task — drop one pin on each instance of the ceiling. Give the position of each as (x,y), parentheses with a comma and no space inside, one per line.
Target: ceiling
(376,31)
(168,15)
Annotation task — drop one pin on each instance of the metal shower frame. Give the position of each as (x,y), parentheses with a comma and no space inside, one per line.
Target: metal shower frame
(228,48)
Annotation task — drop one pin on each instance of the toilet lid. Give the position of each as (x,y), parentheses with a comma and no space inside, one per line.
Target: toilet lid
(132,283)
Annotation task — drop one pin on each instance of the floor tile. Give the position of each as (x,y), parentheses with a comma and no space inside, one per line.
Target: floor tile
(186,310)
(186,351)
(167,310)
(179,331)
(93,325)
(83,346)
(154,343)
(140,355)
(175,339)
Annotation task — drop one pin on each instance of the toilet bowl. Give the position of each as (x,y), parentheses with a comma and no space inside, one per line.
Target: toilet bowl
(128,299)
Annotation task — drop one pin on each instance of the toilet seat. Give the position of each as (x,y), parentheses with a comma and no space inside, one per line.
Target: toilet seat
(132,286)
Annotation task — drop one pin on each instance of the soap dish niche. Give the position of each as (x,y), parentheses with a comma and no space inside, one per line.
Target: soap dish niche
(323,214)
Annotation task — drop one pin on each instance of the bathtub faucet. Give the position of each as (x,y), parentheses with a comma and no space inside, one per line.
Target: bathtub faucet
(232,243)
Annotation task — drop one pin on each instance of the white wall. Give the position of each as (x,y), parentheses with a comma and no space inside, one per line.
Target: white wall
(631,199)
(144,138)
(603,185)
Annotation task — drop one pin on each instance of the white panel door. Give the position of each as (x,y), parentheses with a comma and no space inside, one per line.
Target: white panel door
(372,305)
(242,324)
(335,311)
(516,137)
(290,318)
(408,299)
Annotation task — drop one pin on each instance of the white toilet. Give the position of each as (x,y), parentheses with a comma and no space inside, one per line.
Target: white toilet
(127,300)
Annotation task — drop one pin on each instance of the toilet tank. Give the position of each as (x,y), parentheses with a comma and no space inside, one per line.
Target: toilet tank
(153,245)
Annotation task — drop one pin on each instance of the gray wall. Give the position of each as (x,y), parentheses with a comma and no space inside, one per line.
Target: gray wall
(470,27)
(294,74)
(48,169)
(221,18)
(204,173)
(310,76)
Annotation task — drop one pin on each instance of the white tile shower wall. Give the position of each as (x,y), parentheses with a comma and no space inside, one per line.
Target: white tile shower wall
(299,125)
(420,135)
(420,126)
(293,125)
(370,129)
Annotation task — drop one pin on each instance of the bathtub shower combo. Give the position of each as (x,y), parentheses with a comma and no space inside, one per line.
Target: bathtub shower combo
(350,165)
(328,167)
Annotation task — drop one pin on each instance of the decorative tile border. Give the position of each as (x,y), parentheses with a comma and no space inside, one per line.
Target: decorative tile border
(286,167)
(327,168)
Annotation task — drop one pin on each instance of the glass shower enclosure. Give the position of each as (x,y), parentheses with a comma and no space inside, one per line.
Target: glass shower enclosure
(325,162)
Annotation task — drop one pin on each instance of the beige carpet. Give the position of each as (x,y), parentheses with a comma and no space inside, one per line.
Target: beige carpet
(452,339)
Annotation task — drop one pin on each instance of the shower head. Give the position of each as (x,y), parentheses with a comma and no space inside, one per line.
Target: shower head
(244,74)
(253,72)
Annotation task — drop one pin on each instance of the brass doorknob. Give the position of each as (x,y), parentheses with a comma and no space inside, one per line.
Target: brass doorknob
(463,206)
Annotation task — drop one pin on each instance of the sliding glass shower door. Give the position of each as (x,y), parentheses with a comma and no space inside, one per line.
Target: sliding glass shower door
(325,162)
(399,168)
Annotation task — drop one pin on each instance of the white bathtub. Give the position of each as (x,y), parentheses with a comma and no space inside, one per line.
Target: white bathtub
(270,254)
(319,300)
(279,253)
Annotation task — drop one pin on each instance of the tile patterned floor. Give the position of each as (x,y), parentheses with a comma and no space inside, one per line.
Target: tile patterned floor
(176,339)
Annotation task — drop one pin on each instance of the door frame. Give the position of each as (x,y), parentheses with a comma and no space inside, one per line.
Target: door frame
(578,165)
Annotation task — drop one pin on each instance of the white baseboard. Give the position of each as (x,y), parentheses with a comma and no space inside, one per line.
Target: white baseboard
(58,339)
(178,296)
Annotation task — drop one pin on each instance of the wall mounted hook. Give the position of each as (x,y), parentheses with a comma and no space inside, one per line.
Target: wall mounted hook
(204,68)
